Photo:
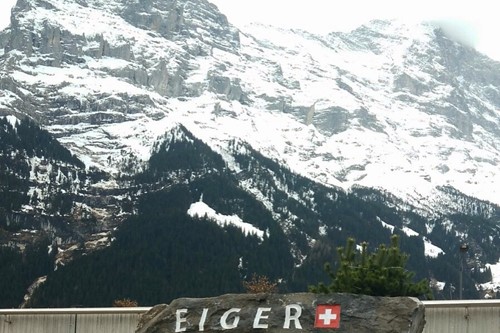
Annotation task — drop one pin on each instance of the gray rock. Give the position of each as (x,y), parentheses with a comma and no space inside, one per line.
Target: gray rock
(57,46)
(4,39)
(104,49)
(310,114)
(159,78)
(173,19)
(405,82)
(281,79)
(345,86)
(163,17)
(225,86)
(247,312)
(332,120)
(276,103)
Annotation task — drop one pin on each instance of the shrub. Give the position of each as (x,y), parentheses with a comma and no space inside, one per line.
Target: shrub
(260,284)
(125,303)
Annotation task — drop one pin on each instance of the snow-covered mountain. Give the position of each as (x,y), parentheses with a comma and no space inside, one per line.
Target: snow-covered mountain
(388,105)
(401,109)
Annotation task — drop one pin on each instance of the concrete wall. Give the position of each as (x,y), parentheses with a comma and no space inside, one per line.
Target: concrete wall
(96,320)
(462,316)
(441,317)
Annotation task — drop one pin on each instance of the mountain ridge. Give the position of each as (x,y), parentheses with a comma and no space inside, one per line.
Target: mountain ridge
(341,121)
(394,117)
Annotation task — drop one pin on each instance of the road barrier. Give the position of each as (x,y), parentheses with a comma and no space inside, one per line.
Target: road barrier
(469,316)
(71,320)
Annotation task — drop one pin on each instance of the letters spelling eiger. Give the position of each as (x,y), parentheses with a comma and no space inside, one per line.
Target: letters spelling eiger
(327,316)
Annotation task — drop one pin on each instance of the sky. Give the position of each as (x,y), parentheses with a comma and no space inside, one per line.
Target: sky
(5,7)
(471,22)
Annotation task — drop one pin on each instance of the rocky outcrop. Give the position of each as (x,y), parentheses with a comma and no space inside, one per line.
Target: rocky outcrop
(173,19)
(225,86)
(163,17)
(304,312)
(405,82)
(57,46)
(310,114)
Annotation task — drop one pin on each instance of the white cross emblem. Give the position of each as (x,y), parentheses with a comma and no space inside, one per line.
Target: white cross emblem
(327,317)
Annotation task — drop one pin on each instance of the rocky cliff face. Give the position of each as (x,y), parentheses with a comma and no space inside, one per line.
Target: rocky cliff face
(151,42)
(385,100)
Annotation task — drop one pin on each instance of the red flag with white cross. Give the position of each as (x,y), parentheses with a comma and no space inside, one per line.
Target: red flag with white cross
(327,316)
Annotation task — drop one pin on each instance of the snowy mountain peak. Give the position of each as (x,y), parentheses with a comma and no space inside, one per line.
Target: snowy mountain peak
(389,105)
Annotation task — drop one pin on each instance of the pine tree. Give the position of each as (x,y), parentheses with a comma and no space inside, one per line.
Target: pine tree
(381,273)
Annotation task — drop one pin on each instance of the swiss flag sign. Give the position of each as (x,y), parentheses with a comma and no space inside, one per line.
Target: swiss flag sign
(327,316)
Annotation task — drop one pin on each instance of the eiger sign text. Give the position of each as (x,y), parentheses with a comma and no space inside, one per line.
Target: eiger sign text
(291,313)
(327,316)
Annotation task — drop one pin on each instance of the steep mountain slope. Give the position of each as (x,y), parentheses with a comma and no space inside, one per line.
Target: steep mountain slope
(189,214)
(386,101)
(388,128)
(398,102)
(48,207)
(201,233)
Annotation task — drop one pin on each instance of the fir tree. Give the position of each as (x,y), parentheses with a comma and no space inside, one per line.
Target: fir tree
(381,273)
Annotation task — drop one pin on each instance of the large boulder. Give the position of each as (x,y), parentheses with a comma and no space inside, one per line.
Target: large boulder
(287,313)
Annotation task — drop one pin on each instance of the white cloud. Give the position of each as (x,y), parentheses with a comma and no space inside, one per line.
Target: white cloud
(5,8)
(470,22)
(461,31)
